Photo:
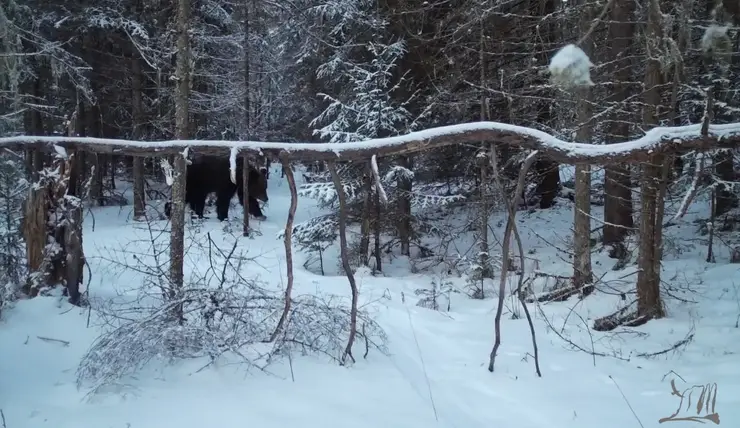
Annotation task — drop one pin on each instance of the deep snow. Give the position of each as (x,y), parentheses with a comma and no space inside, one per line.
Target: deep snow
(436,374)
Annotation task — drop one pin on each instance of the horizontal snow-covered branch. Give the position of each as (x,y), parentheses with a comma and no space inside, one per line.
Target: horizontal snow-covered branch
(657,139)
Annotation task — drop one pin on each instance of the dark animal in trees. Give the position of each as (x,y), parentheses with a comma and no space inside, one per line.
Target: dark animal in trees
(211,174)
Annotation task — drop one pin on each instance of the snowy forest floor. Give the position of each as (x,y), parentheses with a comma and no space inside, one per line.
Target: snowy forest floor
(435,373)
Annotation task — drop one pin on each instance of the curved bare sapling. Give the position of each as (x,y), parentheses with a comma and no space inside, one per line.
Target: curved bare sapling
(510,208)
(288,241)
(342,198)
(505,264)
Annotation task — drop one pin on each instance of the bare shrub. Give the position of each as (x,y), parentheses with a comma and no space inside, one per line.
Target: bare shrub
(224,314)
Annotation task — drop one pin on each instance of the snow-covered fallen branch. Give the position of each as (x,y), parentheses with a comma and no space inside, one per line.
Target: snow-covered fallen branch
(657,139)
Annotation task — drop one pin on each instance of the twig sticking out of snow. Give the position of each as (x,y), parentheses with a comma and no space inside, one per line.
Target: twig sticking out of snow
(376,176)
(51,339)
(232,164)
(167,170)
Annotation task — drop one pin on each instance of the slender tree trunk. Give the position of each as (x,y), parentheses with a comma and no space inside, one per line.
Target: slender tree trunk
(245,195)
(484,258)
(247,117)
(582,273)
(288,242)
(345,260)
(617,182)
(649,304)
(376,231)
(365,218)
(548,171)
(182,107)
(404,208)
(96,161)
(137,109)
(485,209)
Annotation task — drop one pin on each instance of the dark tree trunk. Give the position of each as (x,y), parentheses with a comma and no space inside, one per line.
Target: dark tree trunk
(617,182)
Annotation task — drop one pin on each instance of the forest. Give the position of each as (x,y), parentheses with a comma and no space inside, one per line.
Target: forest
(447,141)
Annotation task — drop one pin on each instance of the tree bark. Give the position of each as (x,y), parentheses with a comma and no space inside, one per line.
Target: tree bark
(245,196)
(582,273)
(548,171)
(484,259)
(617,182)
(137,110)
(288,242)
(345,260)
(377,224)
(649,304)
(404,208)
(365,217)
(177,233)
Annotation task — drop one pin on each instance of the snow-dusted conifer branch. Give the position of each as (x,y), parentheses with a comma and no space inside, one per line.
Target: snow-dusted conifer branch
(657,139)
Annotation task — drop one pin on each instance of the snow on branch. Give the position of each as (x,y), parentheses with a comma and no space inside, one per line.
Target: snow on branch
(376,178)
(571,67)
(657,139)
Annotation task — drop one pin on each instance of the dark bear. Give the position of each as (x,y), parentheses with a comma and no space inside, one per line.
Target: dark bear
(211,174)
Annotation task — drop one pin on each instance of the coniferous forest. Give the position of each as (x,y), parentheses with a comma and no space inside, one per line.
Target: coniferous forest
(492,198)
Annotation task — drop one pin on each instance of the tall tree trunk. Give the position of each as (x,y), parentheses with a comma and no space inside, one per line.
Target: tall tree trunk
(365,217)
(182,107)
(582,273)
(377,224)
(404,208)
(137,110)
(649,304)
(95,160)
(33,123)
(617,182)
(724,169)
(247,118)
(484,259)
(548,171)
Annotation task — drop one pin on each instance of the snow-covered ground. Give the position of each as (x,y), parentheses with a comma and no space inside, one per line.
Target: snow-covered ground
(436,371)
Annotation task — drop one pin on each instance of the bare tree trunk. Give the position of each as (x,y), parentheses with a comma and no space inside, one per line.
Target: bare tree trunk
(245,196)
(182,108)
(506,260)
(617,183)
(582,273)
(287,240)
(345,259)
(404,209)
(137,109)
(376,231)
(547,170)
(520,292)
(649,304)
(247,117)
(177,232)
(95,159)
(75,260)
(365,221)
(484,258)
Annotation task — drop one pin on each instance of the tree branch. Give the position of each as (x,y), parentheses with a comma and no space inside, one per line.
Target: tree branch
(659,139)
